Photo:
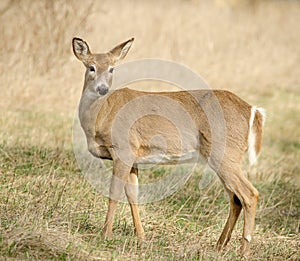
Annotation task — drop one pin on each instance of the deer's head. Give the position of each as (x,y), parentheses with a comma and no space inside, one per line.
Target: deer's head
(100,66)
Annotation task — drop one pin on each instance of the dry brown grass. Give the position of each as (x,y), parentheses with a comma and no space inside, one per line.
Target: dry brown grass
(47,209)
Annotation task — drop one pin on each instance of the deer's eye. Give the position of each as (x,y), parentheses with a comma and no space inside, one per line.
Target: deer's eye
(111,69)
(92,68)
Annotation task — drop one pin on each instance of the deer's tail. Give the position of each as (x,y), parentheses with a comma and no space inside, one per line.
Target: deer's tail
(255,136)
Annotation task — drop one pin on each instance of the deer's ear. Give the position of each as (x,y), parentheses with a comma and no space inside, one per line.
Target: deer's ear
(80,49)
(120,51)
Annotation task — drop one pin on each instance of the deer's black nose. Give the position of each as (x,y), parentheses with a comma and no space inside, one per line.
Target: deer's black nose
(102,89)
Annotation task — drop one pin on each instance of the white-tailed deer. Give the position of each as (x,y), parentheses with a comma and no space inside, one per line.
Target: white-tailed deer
(220,136)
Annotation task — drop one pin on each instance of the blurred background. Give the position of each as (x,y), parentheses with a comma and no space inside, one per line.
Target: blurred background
(250,47)
(240,45)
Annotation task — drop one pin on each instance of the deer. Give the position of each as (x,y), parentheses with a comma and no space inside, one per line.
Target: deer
(199,129)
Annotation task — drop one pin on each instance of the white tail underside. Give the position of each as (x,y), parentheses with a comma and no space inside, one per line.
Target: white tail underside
(252,155)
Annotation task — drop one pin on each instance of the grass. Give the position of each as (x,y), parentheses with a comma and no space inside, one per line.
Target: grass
(49,211)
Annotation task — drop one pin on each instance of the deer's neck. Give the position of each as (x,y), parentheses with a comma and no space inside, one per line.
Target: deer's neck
(89,106)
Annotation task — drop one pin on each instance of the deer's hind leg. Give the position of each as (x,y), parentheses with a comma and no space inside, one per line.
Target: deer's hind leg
(242,195)
(234,212)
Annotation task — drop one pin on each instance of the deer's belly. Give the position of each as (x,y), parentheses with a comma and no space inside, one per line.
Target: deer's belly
(160,158)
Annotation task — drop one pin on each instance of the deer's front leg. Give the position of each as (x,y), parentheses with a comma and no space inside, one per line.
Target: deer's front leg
(119,178)
(131,189)
(107,228)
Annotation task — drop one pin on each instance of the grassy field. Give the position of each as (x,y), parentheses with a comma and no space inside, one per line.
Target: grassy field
(49,211)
